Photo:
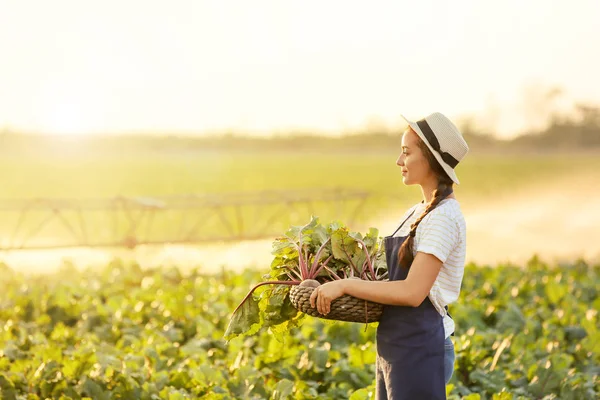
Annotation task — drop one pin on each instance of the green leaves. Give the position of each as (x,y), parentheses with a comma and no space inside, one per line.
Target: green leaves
(278,308)
(344,245)
(365,256)
(283,390)
(511,319)
(244,319)
(312,251)
(327,252)
(7,388)
(556,292)
(158,334)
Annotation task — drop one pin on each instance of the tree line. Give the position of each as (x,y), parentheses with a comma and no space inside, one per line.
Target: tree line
(578,131)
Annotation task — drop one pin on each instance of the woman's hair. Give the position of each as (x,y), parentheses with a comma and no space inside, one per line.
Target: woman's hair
(444,188)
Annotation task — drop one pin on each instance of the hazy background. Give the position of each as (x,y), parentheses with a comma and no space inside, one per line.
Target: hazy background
(155,98)
(262,66)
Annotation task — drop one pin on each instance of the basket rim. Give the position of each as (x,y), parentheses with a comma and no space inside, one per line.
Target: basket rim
(356,310)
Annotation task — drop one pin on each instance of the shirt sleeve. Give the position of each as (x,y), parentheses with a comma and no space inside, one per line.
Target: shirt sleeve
(438,235)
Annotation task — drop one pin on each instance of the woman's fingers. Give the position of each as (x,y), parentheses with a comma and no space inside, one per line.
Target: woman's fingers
(323,304)
(313,297)
(320,302)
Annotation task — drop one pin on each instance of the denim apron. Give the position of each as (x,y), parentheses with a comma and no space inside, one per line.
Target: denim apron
(410,343)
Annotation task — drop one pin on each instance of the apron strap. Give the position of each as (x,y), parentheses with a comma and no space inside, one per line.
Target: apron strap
(413,211)
(403,222)
(447,312)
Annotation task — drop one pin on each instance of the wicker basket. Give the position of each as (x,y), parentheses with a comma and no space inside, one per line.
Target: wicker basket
(344,308)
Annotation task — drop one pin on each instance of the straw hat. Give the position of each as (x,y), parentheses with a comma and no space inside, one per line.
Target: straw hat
(443,139)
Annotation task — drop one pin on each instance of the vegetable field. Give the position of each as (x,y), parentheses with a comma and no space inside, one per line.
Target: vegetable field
(122,332)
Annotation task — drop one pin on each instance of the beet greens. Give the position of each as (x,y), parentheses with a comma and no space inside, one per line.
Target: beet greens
(313,251)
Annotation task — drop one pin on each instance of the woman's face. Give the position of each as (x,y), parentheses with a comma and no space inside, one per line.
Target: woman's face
(412,161)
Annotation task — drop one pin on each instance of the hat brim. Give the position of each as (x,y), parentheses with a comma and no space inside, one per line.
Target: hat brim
(449,170)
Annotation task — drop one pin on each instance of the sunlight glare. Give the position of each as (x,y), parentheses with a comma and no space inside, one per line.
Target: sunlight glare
(66,118)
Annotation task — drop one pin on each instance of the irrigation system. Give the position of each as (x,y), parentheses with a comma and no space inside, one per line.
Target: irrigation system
(122,221)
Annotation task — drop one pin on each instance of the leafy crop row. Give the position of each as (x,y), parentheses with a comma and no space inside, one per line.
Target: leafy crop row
(121,332)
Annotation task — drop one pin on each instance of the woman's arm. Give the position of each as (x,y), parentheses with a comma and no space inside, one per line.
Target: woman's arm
(409,292)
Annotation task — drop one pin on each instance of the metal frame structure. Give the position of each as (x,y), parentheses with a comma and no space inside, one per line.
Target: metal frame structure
(123,221)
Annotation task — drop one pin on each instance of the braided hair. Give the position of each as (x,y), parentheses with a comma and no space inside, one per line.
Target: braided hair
(443,190)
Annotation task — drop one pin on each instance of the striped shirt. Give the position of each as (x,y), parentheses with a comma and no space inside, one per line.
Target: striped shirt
(441,233)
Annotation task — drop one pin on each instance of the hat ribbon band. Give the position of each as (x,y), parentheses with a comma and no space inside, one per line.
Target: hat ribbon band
(433,141)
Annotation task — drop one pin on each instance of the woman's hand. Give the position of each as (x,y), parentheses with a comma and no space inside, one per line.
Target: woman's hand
(323,295)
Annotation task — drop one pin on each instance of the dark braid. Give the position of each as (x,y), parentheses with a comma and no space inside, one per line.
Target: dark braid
(444,189)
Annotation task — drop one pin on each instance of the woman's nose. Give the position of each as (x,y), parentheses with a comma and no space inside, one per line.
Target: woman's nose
(399,161)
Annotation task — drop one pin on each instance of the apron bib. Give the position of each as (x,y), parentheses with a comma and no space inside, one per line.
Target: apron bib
(410,343)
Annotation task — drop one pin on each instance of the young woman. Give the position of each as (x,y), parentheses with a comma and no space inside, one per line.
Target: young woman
(425,258)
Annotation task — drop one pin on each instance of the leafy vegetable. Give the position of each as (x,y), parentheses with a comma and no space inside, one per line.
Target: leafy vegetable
(157,333)
(244,318)
(309,252)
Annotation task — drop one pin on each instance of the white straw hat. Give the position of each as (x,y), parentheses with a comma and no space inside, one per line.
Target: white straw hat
(443,139)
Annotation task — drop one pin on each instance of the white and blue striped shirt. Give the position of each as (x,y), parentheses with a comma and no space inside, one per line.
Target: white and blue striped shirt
(442,233)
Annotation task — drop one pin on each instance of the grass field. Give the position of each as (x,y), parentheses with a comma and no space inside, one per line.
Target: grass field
(152,173)
(156,174)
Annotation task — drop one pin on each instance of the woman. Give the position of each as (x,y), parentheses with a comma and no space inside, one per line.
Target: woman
(425,258)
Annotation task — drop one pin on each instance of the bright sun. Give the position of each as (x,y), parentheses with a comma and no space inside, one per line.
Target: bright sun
(66,118)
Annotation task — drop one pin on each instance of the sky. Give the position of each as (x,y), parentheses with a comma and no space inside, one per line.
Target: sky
(263,67)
